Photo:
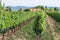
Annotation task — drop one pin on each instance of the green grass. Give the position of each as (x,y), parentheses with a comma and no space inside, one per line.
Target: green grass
(47,35)
(26,32)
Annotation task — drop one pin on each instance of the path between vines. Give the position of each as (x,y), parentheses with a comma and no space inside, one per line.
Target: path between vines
(52,26)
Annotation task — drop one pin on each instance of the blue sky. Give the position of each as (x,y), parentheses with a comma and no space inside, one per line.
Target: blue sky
(31,2)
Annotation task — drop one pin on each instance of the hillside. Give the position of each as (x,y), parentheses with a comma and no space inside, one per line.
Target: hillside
(19,7)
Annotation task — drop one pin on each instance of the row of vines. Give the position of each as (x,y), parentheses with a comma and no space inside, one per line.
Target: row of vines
(40,24)
(55,15)
(34,28)
(9,20)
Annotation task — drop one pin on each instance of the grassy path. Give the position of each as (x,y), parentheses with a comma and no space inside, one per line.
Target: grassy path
(52,25)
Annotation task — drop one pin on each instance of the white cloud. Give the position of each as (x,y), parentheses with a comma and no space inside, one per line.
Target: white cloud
(31,2)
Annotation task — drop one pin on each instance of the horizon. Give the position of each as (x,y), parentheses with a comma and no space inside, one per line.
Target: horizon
(32,3)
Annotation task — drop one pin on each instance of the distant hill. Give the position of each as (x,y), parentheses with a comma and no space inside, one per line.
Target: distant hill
(18,7)
(21,7)
(53,7)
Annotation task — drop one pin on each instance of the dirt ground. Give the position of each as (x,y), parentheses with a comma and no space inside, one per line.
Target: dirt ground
(53,26)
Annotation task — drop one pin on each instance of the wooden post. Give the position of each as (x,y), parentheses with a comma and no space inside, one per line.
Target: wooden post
(11,31)
(39,34)
(38,29)
(18,28)
(37,37)
(3,36)
(14,30)
(8,33)
(40,37)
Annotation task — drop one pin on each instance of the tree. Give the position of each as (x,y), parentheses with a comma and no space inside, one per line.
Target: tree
(51,9)
(20,9)
(8,8)
(46,8)
(56,9)
(1,7)
(0,2)
(40,7)
(27,10)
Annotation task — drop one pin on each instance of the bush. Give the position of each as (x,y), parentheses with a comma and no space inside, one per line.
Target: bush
(27,10)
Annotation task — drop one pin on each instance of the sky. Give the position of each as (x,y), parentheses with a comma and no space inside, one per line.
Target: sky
(55,3)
